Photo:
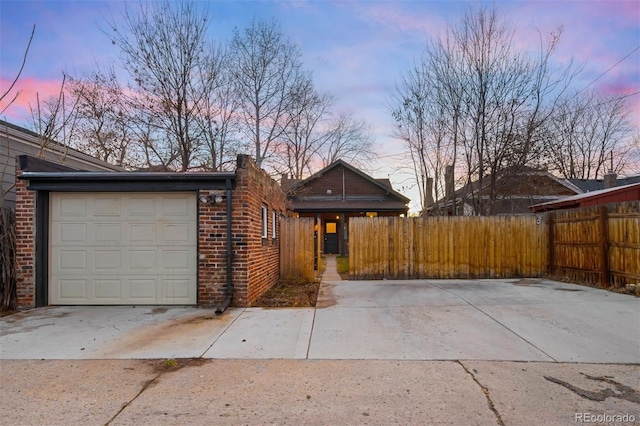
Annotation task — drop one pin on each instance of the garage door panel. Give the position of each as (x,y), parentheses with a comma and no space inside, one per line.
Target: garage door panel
(73,289)
(110,260)
(107,233)
(123,248)
(107,206)
(73,206)
(143,290)
(176,233)
(72,260)
(71,232)
(142,259)
(175,290)
(142,233)
(142,206)
(107,289)
(173,260)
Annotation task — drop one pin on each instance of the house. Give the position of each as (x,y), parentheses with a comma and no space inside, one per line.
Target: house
(337,193)
(145,238)
(515,190)
(610,180)
(16,141)
(616,194)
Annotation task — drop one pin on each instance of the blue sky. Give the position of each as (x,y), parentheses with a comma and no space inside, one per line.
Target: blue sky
(356,50)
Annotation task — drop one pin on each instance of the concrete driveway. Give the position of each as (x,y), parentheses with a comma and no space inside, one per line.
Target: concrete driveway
(509,320)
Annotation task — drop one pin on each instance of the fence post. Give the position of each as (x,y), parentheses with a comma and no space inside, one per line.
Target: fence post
(604,247)
(551,259)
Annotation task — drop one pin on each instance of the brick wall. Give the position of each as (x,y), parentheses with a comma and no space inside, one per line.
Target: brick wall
(255,261)
(25,245)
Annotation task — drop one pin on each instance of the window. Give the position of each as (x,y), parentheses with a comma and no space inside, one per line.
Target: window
(264,222)
(273,224)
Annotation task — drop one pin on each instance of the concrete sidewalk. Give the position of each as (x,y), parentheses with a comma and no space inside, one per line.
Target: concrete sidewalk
(303,392)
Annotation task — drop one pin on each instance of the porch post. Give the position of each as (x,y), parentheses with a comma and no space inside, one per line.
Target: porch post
(343,233)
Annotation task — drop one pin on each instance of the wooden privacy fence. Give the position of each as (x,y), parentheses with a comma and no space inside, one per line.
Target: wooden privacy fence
(297,248)
(447,247)
(596,245)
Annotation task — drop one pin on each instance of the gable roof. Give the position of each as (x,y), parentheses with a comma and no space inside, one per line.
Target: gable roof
(384,184)
(588,185)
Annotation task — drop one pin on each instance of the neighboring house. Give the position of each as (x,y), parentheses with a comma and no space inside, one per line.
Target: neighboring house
(588,185)
(145,238)
(515,191)
(15,141)
(337,193)
(616,194)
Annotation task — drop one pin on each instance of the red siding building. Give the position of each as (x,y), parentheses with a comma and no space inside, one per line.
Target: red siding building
(604,196)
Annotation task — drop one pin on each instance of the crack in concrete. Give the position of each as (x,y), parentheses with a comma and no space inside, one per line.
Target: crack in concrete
(494,319)
(145,386)
(487,395)
(624,392)
(167,366)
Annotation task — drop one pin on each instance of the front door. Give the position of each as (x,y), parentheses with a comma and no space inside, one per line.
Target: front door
(331,237)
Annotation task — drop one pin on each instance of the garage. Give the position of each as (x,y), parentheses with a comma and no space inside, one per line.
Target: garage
(145,238)
(111,248)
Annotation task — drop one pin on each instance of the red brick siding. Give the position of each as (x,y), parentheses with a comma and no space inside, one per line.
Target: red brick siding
(212,251)
(25,245)
(259,259)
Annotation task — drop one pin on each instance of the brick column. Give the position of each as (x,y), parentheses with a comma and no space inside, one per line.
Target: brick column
(25,244)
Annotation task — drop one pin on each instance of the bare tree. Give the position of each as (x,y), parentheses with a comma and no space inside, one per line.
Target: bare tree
(588,136)
(11,97)
(104,119)
(54,120)
(218,117)
(349,139)
(476,100)
(421,119)
(165,51)
(267,71)
(306,134)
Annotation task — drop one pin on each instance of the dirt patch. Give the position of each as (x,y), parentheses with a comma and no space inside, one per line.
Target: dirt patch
(159,310)
(326,297)
(5,313)
(171,365)
(290,293)
(166,331)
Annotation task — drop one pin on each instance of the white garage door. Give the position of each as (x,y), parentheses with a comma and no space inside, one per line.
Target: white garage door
(123,248)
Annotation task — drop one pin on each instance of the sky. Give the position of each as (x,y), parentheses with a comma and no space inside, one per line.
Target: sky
(356,50)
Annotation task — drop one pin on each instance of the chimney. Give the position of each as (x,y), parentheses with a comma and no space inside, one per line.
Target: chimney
(610,180)
(448,181)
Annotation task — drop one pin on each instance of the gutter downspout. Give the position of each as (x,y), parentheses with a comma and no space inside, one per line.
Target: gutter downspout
(229,285)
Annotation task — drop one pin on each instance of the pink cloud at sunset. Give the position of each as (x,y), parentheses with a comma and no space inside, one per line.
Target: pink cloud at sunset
(30,89)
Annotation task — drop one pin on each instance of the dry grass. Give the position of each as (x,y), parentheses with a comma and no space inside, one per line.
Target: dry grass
(290,293)
(342,265)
